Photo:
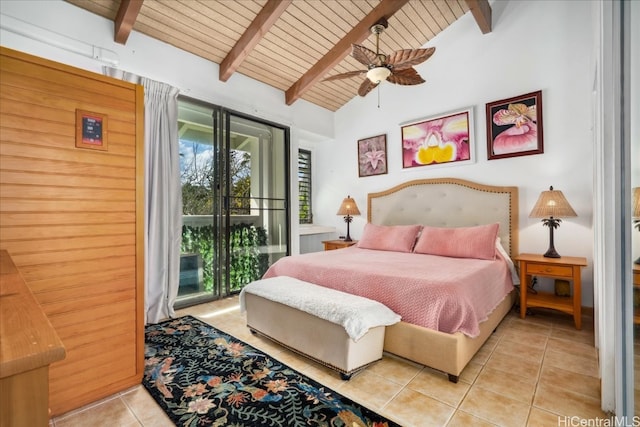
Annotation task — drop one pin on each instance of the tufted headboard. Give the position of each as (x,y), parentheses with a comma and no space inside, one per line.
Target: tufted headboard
(448,202)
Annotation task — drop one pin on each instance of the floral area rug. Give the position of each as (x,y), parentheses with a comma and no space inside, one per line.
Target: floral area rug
(201,376)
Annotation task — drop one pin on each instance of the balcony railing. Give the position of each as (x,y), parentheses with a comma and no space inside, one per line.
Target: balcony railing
(248,259)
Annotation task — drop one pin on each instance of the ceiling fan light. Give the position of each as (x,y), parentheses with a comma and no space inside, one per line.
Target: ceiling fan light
(378,74)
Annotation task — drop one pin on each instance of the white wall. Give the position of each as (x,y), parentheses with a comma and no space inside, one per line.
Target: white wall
(533,46)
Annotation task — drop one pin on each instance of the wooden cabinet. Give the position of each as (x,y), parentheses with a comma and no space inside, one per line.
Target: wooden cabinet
(29,344)
(562,268)
(73,220)
(330,245)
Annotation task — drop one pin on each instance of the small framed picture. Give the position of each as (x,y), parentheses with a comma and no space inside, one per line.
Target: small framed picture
(372,156)
(514,126)
(91,130)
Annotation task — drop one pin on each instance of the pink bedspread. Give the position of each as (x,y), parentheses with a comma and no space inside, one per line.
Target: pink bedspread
(441,293)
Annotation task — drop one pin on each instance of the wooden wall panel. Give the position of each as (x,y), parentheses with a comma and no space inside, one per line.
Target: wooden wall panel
(72,219)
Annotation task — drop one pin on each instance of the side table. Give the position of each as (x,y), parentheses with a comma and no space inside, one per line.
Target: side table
(563,268)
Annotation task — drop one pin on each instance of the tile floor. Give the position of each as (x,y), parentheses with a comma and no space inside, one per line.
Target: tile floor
(539,371)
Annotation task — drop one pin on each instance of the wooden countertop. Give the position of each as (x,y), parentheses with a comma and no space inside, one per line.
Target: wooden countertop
(27,339)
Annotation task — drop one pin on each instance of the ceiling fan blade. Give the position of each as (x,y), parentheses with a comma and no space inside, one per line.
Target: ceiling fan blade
(406,76)
(363,55)
(366,87)
(344,75)
(405,58)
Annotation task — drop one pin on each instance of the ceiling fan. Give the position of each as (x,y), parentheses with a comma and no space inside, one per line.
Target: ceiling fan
(395,68)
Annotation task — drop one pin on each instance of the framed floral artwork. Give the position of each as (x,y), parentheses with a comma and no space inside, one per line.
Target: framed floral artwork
(438,140)
(372,156)
(514,126)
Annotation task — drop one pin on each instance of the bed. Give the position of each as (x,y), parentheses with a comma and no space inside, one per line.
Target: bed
(438,205)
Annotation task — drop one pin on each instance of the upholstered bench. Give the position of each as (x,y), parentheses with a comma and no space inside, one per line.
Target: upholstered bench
(341,331)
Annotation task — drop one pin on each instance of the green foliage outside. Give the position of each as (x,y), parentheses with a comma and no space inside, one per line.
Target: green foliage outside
(198,180)
(246,262)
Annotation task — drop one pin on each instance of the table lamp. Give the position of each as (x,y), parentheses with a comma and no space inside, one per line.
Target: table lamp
(348,208)
(551,205)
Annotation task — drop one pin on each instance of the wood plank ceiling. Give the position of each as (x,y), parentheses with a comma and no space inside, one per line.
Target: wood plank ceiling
(288,44)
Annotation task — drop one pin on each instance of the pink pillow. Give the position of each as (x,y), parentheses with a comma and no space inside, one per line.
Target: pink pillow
(398,238)
(462,242)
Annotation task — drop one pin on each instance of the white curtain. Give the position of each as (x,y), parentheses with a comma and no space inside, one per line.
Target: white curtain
(163,195)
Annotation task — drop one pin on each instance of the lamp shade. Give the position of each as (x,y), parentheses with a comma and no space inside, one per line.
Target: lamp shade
(636,202)
(552,203)
(348,207)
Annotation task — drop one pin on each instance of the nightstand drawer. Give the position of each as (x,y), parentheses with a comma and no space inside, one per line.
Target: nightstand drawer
(550,270)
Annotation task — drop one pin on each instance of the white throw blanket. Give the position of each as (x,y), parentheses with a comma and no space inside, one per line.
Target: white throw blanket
(356,314)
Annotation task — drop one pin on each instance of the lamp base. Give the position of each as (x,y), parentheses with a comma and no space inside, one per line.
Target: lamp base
(551,253)
(551,223)
(348,220)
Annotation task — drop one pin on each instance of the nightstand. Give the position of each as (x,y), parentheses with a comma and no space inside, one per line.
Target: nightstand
(330,245)
(560,268)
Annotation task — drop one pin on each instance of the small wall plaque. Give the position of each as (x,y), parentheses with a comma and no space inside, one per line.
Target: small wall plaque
(91,130)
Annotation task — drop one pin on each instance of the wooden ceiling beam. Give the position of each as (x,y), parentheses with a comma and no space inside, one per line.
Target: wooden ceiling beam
(125,18)
(263,21)
(481,11)
(359,33)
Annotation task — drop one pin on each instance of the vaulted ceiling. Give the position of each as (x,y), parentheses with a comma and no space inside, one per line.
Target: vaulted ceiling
(291,45)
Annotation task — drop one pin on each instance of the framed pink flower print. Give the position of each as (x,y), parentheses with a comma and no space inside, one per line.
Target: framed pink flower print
(372,156)
(444,139)
(514,126)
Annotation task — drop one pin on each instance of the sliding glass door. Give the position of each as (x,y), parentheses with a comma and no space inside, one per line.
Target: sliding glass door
(235,200)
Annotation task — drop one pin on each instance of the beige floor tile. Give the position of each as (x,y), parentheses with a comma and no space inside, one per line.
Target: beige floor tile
(463,419)
(145,409)
(528,338)
(324,376)
(495,408)
(492,342)
(482,355)
(414,409)
(570,362)
(514,365)
(438,386)
(524,326)
(470,372)
(395,369)
(112,412)
(371,390)
(293,360)
(535,319)
(567,322)
(504,325)
(533,353)
(540,418)
(583,336)
(572,347)
(553,377)
(567,403)
(513,386)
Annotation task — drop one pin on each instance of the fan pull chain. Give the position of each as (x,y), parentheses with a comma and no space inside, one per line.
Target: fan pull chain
(378,95)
